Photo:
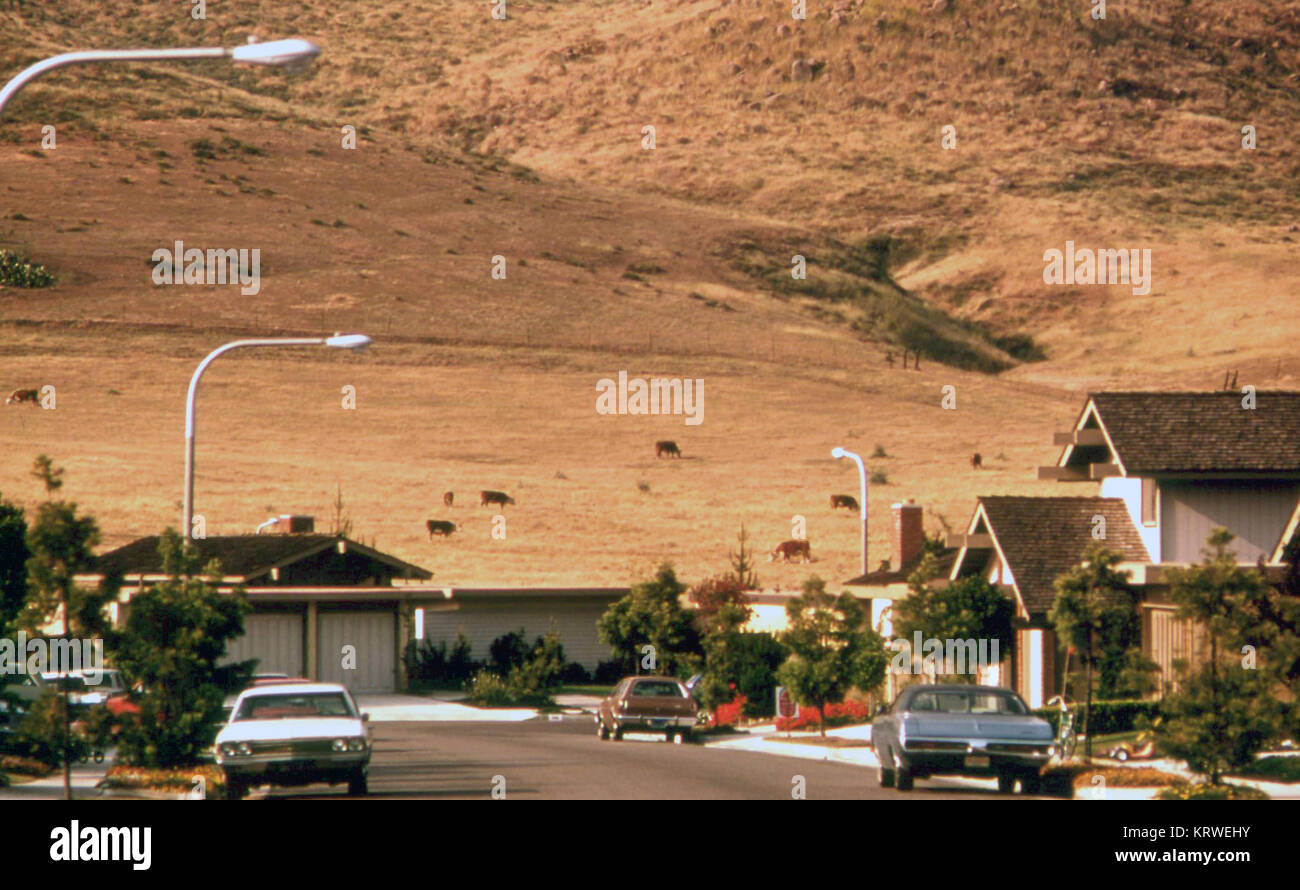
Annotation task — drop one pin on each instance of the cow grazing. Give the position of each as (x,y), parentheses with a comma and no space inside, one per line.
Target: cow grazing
(976,462)
(447,498)
(786,551)
(487,498)
(844,500)
(442,527)
(18,396)
(668,447)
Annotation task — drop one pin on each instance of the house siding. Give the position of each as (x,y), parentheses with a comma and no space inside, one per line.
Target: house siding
(575,622)
(1256,512)
(1129,490)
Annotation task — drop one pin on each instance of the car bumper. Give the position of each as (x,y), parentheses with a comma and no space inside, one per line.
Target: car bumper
(333,767)
(974,760)
(633,723)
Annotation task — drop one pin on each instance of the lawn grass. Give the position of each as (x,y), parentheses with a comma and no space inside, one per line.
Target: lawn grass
(1273,769)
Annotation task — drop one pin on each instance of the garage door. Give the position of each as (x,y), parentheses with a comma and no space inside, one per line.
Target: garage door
(373,636)
(274,639)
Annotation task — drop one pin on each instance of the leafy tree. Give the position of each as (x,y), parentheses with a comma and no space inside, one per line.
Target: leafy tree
(721,614)
(1095,613)
(1223,712)
(60,542)
(832,648)
(967,609)
(652,615)
(13,563)
(175,636)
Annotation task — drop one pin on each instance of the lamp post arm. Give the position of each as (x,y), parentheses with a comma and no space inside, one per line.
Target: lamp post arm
(188,529)
(30,73)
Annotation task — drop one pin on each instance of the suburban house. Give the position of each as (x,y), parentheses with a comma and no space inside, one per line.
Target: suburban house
(1020,545)
(1169,468)
(313,594)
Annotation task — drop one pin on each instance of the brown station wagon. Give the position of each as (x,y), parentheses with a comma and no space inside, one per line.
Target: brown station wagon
(647,704)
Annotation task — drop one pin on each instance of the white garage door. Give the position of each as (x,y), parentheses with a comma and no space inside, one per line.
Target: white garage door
(274,639)
(373,636)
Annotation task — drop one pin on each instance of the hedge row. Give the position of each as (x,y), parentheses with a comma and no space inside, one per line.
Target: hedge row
(1106,716)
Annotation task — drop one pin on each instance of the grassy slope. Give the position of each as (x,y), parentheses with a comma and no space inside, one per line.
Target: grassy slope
(484,384)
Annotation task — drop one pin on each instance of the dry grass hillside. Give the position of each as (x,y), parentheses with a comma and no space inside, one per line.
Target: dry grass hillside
(524,139)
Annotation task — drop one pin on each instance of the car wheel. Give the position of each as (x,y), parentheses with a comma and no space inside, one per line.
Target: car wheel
(1121,755)
(358,785)
(1030,784)
(1006,782)
(903,779)
(883,775)
(601,732)
(236,789)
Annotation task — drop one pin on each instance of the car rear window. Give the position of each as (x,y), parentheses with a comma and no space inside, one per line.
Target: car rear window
(967,703)
(659,688)
(282,707)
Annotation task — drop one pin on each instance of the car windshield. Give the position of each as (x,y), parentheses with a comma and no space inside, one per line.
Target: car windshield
(958,702)
(289,706)
(662,689)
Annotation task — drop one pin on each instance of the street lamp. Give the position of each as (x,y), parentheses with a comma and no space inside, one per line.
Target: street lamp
(292,54)
(338,341)
(838,452)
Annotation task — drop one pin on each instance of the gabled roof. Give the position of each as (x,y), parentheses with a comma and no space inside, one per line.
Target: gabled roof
(883,577)
(1040,538)
(1198,432)
(245,556)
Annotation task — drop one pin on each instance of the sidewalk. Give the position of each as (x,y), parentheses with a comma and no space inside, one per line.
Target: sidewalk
(84,778)
(436,707)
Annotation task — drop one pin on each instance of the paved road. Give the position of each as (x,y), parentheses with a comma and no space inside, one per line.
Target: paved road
(544,759)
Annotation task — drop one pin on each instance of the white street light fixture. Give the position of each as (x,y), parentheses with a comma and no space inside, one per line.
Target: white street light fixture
(837,453)
(338,341)
(292,54)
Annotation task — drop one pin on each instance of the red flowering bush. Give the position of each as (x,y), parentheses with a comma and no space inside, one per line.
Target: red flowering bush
(846,713)
(728,714)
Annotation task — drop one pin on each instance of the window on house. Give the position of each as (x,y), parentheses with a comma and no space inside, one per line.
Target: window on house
(1149,495)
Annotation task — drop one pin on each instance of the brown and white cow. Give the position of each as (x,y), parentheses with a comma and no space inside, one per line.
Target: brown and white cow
(786,551)
(668,447)
(487,498)
(844,500)
(447,498)
(976,462)
(18,396)
(442,527)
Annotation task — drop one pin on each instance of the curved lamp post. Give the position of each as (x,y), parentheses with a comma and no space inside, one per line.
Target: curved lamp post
(293,54)
(838,452)
(338,341)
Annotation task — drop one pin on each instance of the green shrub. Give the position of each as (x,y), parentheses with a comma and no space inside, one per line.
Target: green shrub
(430,666)
(1106,716)
(18,271)
(1274,769)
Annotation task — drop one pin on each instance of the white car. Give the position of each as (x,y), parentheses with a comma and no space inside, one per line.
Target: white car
(294,734)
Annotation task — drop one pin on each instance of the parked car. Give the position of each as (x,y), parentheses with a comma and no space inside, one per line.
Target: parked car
(648,703)
(292,734)
(964,731)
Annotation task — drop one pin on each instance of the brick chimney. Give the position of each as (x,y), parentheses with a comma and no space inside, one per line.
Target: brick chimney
(908,534)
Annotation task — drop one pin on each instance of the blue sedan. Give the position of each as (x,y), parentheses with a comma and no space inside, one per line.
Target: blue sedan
(957,730)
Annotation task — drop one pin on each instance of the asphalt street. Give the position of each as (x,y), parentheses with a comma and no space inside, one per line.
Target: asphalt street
(562,759)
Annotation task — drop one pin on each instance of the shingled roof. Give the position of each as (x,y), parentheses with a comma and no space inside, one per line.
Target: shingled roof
(1043,537)
(884,576)
(1179,432)
(244,556)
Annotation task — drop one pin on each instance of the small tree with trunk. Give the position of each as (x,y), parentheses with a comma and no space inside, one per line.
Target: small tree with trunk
(1093,600)
(1227,709)
(173,643)
(650,629)
(833,648)
(60,541)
